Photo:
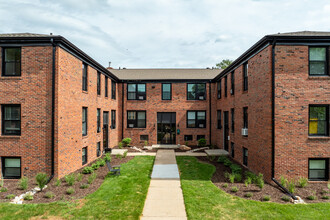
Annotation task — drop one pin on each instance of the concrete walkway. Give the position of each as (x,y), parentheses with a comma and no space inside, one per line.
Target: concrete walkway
(164,199)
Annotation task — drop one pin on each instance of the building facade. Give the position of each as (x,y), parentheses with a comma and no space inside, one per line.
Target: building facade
(269,109)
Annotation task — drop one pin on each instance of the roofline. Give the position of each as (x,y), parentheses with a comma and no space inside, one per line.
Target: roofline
(63,43)
(267,40)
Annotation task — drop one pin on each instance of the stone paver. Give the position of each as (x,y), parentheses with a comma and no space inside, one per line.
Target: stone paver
(216,152)
(141,154)
(118,151)
(197,154)
(164,199)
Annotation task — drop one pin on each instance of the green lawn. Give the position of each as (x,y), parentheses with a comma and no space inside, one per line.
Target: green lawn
(119,197)
(204,200)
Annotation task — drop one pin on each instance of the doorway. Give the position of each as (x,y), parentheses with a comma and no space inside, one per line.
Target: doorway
(166,126)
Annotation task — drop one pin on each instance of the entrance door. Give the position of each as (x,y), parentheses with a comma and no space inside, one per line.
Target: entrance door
(166,126)
(105,130)
(225,130)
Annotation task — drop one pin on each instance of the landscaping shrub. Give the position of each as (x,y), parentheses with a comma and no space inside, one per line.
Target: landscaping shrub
(79,177)
(3,189)
(234,189)
(87,170)
(328,184)
(247,181)
(248,195)
(222,159)
(325,197)
(235,168)
(28,197)
(101,162)
(107,157)
(58,182)
(23,183)
(42,180)
(285,198)
(211,158)
(252,176)
(324,191)
(284,181)
(95,166)
(84,186)
(230,177)
(91,178)
(225,185)
(145,143)
(120,145)
(238,177)
(70,191)
(186,143)
(70,179)
(1,182)
(291,186)
(49,195)
(126,141)
(118,156)
(227,162)
(302,182)
(202,142)
(311,197)
(125,154)
(266,198)
(10,196)
(260,181)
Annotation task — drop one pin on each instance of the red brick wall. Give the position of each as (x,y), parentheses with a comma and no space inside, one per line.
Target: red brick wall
(70,101)
(154,104)
(295,91)
(258,101)
(32,90)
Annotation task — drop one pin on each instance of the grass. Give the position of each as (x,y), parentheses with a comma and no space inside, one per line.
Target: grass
(204,200)
(119,197)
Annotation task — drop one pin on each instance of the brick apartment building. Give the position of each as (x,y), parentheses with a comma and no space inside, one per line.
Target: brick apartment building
(269,109)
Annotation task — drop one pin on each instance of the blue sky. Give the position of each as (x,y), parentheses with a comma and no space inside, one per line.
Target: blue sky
(163,33)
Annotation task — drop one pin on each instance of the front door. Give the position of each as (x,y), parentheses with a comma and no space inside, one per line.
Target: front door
(105,130)
(225,130)
(166,125)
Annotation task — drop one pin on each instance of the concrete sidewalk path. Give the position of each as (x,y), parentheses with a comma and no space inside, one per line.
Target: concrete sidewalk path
(164,199)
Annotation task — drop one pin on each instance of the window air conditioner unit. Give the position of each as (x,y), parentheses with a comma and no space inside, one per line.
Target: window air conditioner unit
(201,125)
(131,125)
(244,131)
(231,91)
(141,97)
(201,97)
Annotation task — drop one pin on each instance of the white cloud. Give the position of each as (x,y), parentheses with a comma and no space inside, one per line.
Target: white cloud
(166,33)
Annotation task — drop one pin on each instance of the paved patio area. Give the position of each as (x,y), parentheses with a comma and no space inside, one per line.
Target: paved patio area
(164,199)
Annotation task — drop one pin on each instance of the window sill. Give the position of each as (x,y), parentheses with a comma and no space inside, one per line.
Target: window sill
(10,78)
(318,137)
(86,92)
(10,137)
(324,77)
(85,136)
(137,128)
(139,100)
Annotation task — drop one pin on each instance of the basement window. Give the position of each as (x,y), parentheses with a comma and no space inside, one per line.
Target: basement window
(188,138)
(245,156)
(84,155)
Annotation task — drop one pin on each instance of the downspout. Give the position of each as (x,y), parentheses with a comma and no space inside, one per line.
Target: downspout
(210,104)
(273,107)
(122,110)
(53,113)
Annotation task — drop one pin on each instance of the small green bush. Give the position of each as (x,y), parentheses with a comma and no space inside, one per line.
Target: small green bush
(291,186)
(91,178)
(84,186)
(235,168)
(230,177)
(28,197)
(70,179)
(234,189)
(302,182)
(285,198)
(58,182)
(3,189)
(126,141)
(23,183)
(101,162)
(328,184)
(1,182)
(222,159)
(107,157)
(266,198)
(284,181)
(227,162)
(186,143)
(252,176)
(238,177)
(87,170)
(95,166)
(247,181)
(260,181)
(125,154)
(120,145)
(324,192)
(70,191)
(145,143)
(42,180)
(325,197)
(10,196)
(225,185)
(79,177)
(202,142)
(49,195)
(311,197)
(248,195)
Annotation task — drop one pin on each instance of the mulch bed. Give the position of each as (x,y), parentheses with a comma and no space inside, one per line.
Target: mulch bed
(60,191)
(275,193)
